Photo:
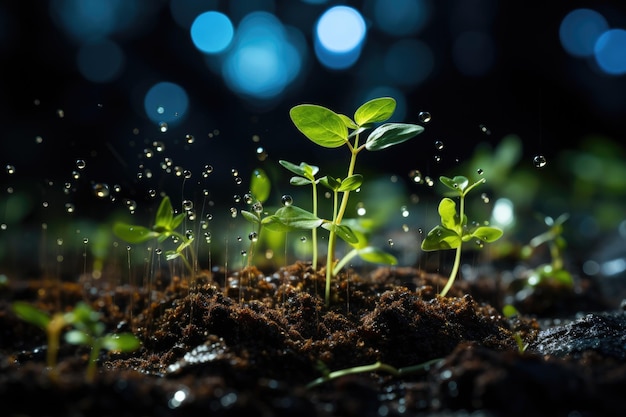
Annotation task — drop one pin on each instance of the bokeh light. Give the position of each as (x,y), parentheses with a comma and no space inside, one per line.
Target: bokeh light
(264,58)
(339,36)
(580,30)
(610,51)
(401,17)
(212,32)
(166,102)
(101,61)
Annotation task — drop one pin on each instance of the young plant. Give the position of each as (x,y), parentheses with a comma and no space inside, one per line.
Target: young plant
(90,331)
(165,225)
(454,228)
(328,129)
(53,325)
(553,271)
(510,312)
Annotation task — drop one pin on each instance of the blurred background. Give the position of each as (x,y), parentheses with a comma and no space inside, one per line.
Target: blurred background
(107,105)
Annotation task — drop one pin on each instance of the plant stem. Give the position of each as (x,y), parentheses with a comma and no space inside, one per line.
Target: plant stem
(314,231)
(457,256)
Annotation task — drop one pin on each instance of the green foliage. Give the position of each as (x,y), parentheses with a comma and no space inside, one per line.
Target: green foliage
(553,271)
(328,129)
(165,225)
(88,330)
(454,228)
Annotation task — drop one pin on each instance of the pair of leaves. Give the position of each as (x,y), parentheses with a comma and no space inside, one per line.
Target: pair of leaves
(330,130)
(165,224)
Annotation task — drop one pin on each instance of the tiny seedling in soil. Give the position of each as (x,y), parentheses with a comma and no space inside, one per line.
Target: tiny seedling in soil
(553,271)
(53,325)
(328,129)
(165,224)
(454,228)
(90,331)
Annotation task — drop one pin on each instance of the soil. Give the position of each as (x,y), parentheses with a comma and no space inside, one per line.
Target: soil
(265,350)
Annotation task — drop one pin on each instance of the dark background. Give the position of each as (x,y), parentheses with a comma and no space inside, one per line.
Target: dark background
(535,90)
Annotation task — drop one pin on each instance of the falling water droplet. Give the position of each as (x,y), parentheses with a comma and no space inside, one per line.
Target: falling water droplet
(416,176)
(233,212)
(81,164)
(484,197)
(163,127)
(424,116)
(10,169)
(69,207)
(390,242)
(100,190)
(404,211)
(158,146)
(438,145)
(257,207)
(190,139)
(253,236)
(484,129)
(247,198)
(540,161)
(360,209)
(480,171)
(261,154)
(187,205)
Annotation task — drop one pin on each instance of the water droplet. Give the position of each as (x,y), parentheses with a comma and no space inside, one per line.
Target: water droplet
(160,110)
(190,139)
(81,164)
(256,138)
(207,237)
(60,113)
(261,154)
(480,171)
(257,207)
(85,240)
(70,208)
(253,236)
(10,169)
(286,200)
(148,153)
(236,198)
(244,253)
(303,239)
(424,117)
(405,228)
(540,161)
(189,234)
(158,251)
(238,180)
(187,205)
(438,145)
(209,216)
(360,209)
(415,176)
(233,212)
(404,211)
(117,188)
(38,139)
(390,242)
(158,146)
(234,172)
(247,198)
(437,158)
(484,129)
(239,239)
(484,197)
(100,190)
(131,205)
(163,127)
(152,193)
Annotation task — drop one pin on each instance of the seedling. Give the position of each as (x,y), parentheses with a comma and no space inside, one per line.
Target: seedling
(553,271)
(454,228)
(328,129)
(165,224)
(90,331)
(510,312)
(53,325)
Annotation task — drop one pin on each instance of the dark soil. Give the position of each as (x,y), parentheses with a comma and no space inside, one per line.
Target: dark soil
(264,351)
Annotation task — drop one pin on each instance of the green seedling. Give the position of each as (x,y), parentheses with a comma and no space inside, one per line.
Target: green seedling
(53,325)
(454,228)
(553,271)
(165,225)
(375,367)
(90,331)
(510,312)
(328,129)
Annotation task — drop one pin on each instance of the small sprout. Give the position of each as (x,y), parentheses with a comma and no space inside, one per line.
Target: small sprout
(328,129)
(510,312)
(90,331)
(53,325)
(454,229)
(165,225)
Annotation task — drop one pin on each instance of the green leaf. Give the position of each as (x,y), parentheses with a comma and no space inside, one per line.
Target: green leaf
(77,337)
(348,122)
(351,183)
(447,211)
(458,183)
(441,238)
(164,215)
(390,134)
(320,125)
(374,111)
(31,314)
(343,231)
(299,181)
(304,169)
(260,185)
(330,183)
(132,233)
(251,217)
(176,221)
(123,342)
(291,218)
(377,256)
(487,233)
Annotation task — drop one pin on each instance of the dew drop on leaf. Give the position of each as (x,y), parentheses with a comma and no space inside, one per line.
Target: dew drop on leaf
(286,200)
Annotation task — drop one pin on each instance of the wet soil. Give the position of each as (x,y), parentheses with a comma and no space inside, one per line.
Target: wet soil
(266,345)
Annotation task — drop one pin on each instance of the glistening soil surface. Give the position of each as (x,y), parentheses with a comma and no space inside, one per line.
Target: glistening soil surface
(264,351)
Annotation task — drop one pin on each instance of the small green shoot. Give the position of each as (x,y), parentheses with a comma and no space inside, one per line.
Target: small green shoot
(454,228)
(511,312)
(328,129)
(553,271)
(90,331)
(53,325)
(165,225)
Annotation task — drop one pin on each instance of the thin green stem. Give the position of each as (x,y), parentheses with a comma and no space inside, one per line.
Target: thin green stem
(457,257)
(314,231)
